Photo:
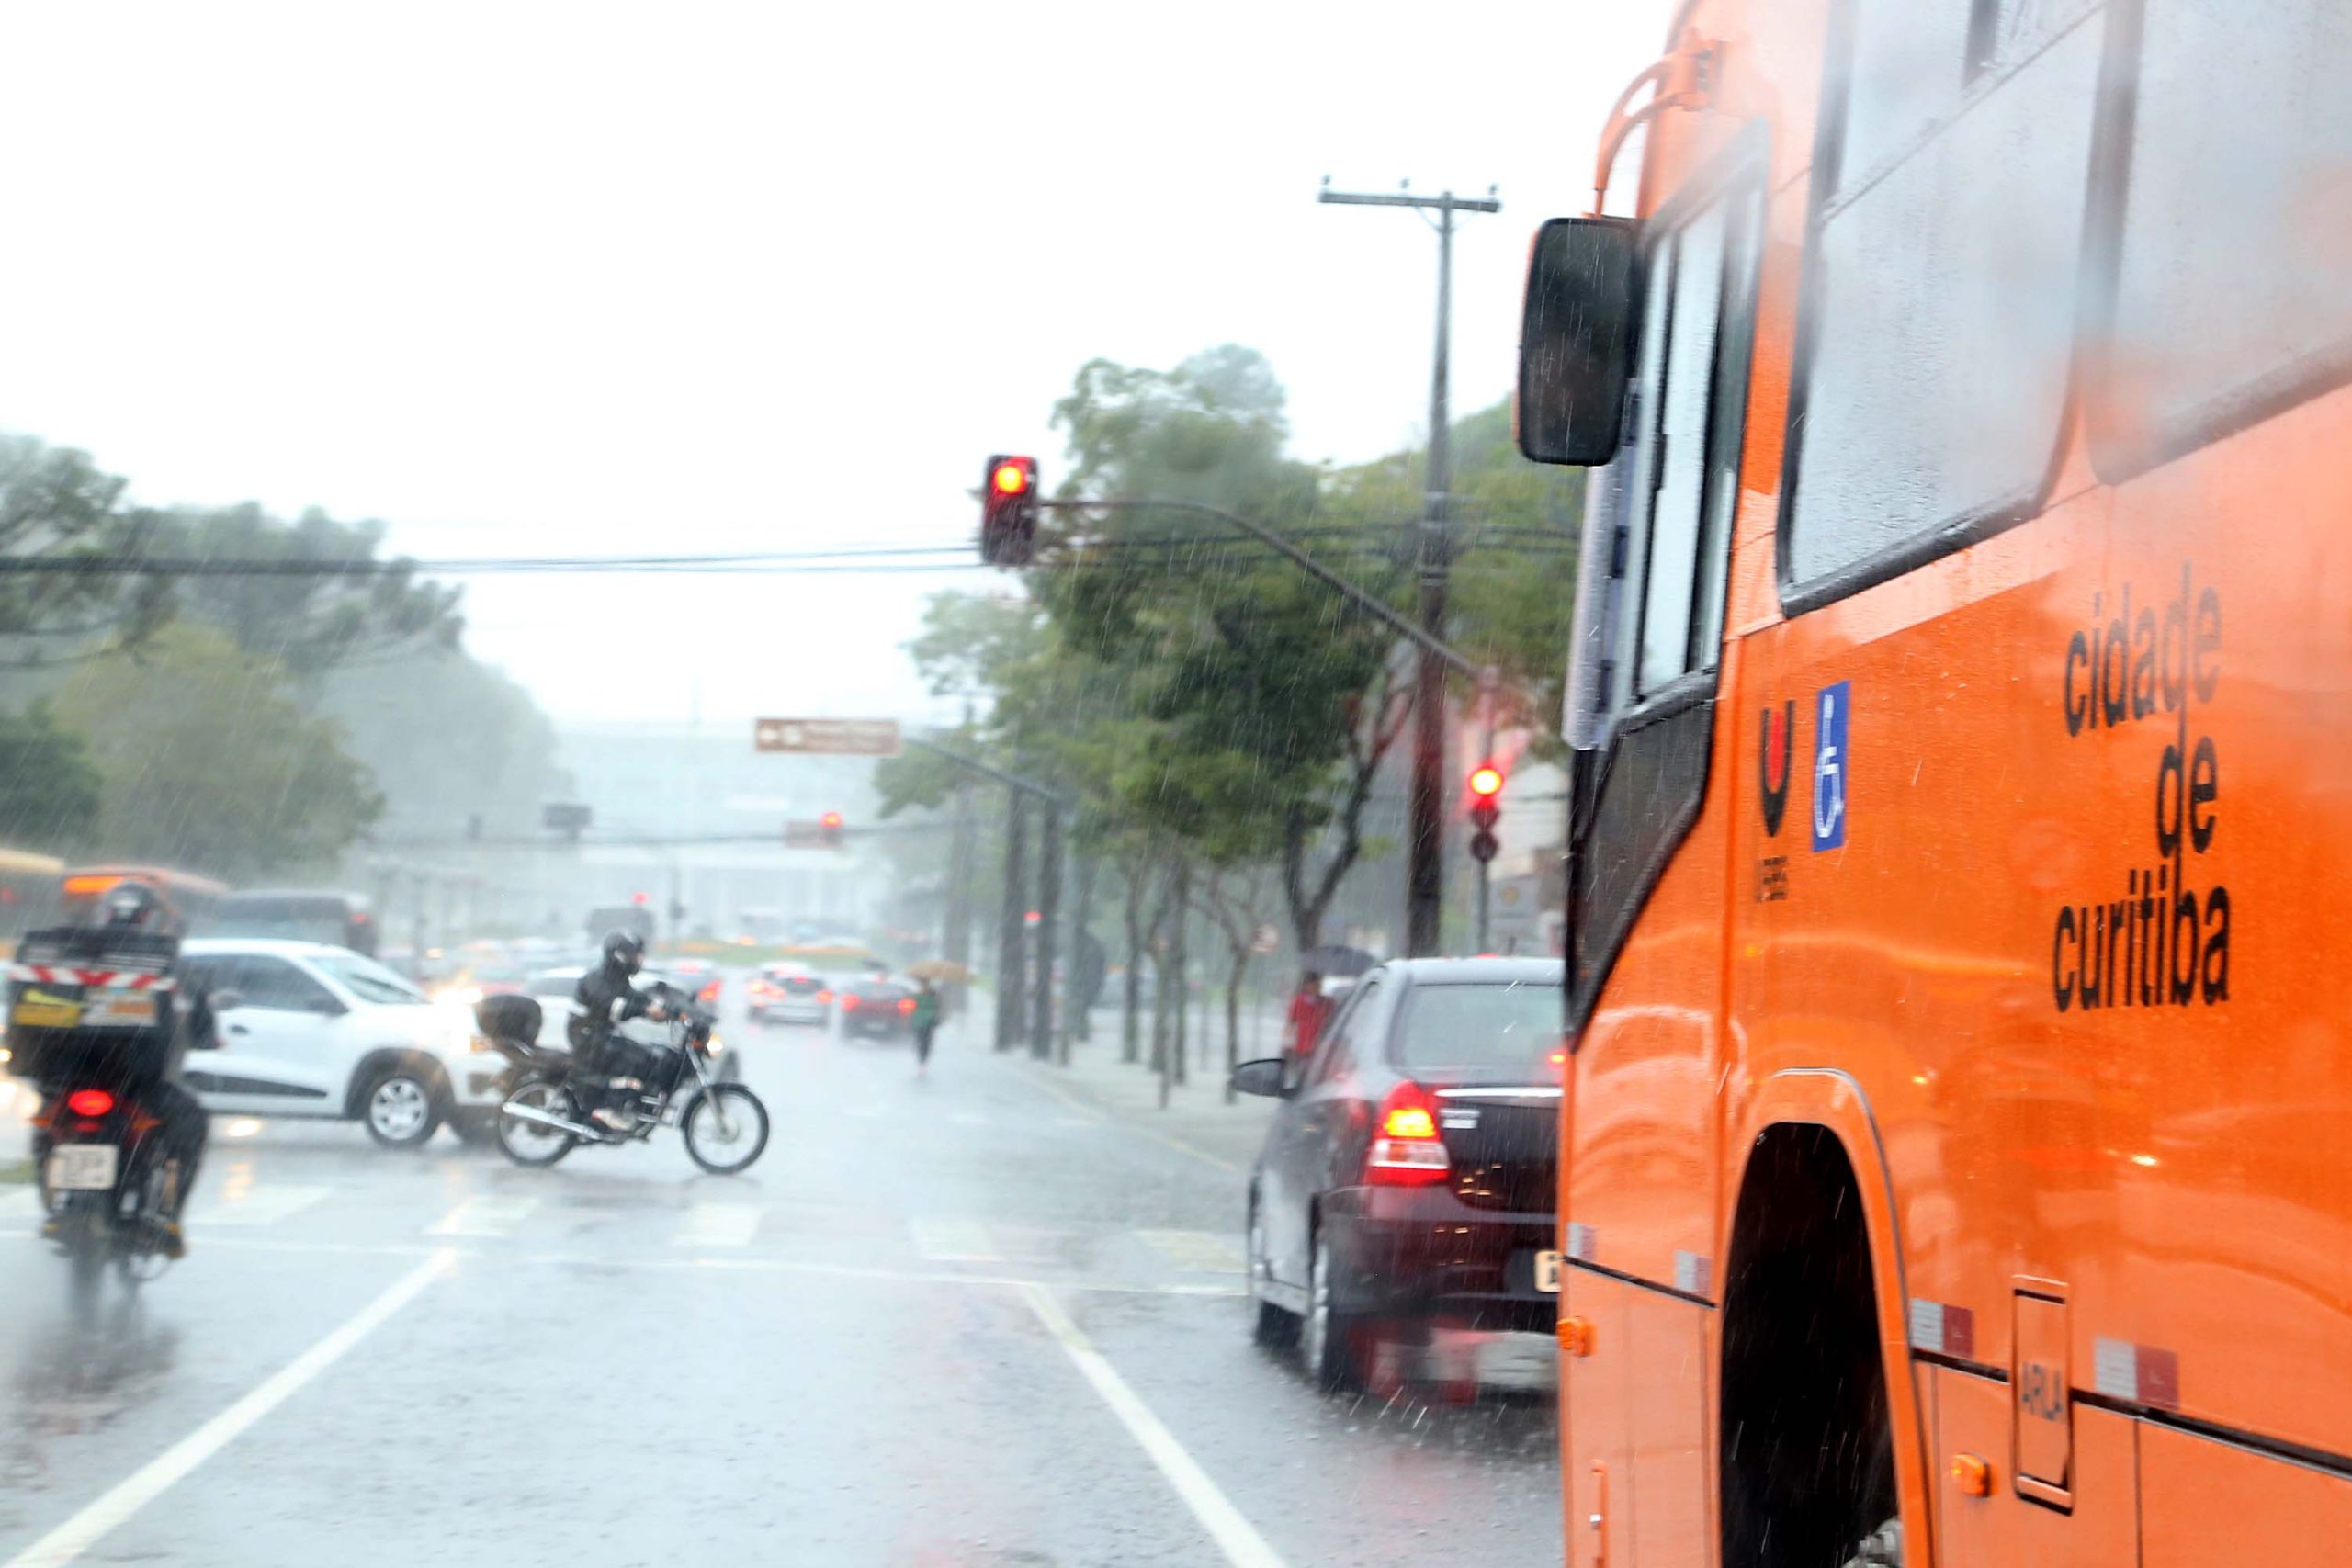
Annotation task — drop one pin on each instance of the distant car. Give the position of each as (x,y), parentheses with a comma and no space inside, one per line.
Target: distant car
(320,1031)
(790,993)
(1409,1175)
(699,975)
(877,1007)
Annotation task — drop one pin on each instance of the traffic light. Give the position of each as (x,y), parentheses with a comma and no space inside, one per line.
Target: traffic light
(829,830)
(1486,810)
(1009,511)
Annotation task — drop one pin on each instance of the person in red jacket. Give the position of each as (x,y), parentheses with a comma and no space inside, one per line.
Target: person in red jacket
(1310,1009)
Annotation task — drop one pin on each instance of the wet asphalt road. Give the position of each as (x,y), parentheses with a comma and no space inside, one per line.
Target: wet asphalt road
(950,1321)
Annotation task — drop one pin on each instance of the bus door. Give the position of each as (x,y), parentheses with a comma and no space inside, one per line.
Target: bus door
(1651,876)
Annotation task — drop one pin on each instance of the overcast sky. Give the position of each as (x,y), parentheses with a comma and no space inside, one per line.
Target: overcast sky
(586,278)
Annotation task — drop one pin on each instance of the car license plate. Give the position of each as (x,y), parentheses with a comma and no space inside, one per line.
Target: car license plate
(1547,1272)
(82,1167)
(118,1008)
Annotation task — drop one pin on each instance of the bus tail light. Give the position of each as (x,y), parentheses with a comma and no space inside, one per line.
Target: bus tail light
(1406,1148)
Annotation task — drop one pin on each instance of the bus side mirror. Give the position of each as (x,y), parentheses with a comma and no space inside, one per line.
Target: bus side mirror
(1575,340)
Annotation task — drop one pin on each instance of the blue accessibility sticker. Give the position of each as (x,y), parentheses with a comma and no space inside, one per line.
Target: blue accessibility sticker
(1831,763)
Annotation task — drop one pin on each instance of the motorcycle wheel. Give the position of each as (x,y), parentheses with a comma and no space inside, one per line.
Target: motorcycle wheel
(725,1128)
(527,1143)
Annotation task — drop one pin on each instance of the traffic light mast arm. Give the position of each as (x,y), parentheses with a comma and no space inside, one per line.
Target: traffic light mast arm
(1363,599)
(1010,781)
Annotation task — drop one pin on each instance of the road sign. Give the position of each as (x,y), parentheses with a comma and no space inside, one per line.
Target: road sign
(1264,939)
(826,737)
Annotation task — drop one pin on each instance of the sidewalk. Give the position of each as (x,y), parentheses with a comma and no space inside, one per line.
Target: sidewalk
(1196,1119)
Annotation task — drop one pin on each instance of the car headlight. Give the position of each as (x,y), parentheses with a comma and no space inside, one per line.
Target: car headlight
(458,996)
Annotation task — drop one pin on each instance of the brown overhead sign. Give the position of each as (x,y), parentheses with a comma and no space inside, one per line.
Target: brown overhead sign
(826,737)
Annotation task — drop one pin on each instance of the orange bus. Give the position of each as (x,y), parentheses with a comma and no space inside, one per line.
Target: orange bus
(1957,1155)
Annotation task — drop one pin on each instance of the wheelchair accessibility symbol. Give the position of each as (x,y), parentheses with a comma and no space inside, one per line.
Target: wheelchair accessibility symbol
(1830,765)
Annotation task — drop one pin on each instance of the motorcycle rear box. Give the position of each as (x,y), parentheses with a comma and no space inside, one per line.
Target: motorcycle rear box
(90,1003)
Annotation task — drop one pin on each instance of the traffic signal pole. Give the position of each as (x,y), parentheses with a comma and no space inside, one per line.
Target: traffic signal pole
(1425,865)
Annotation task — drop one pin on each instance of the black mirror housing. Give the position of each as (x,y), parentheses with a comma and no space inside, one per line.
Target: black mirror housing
(1267,1076)
(1578,327)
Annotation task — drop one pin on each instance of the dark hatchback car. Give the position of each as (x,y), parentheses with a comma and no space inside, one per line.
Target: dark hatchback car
(877,1007)
(1411,1176)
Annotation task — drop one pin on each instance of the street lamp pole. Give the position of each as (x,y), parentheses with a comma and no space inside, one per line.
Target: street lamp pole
(1425,865)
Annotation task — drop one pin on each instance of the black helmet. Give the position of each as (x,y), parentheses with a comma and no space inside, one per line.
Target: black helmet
(626,950)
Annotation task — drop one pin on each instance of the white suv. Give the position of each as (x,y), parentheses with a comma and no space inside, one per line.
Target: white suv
(320,1031)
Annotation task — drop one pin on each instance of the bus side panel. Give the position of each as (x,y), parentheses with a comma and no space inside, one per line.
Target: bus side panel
(1673,1444)
(2202,1502)
(1596,1421)
(1973,1420)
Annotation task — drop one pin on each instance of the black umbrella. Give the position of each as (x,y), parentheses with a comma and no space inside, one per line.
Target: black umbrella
(1345,962)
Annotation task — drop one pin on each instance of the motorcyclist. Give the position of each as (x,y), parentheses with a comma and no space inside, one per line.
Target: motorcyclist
(154,1087)
(608,998)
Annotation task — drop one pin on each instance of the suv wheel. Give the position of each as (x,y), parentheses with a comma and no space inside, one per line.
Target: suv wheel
(402,1108)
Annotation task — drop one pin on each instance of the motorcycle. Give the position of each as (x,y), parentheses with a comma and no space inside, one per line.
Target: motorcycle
(88,1015)
(105,1186)
(542,1119)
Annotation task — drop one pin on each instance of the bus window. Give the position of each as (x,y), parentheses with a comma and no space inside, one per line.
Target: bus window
(2229,289)
(1937,326)
(1679,474)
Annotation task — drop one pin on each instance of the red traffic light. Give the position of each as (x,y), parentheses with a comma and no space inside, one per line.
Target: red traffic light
(829,820)
(638,898)
(1486,781)
(1009,511)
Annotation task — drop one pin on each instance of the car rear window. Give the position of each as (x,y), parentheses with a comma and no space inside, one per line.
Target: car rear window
(800,984)
(1484,1031)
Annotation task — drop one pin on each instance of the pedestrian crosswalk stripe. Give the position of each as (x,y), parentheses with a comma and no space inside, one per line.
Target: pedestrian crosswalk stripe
(1196,1252)
(953,1241)
(484,1217)
(244,1204)
(719,1225)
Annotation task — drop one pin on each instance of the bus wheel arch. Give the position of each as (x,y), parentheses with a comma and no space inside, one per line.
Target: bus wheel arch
(1818,1442)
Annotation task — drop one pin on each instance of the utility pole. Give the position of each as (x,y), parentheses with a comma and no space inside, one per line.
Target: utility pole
(1049,900)
(1010,919)
(1425,865)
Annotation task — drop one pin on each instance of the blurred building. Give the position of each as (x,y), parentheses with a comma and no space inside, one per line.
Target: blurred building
(688,815)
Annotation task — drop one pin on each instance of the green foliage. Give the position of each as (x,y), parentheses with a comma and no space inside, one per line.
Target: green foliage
(447,739)
(56,503)
(309,624)
(208,761)
(48,787)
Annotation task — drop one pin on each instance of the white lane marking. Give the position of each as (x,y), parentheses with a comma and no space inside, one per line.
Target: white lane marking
(484,1217)
(969,1118)
(1196,1252)
(719,1225)
(1238,1539)
(1077,1121)
(150,1480)
(254,1206)
(953,1241)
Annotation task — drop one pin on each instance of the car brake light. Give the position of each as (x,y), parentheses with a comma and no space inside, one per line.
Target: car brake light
(1406,1149)
(824,996)
(849,1004)
(91,1103)
(906,1004)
